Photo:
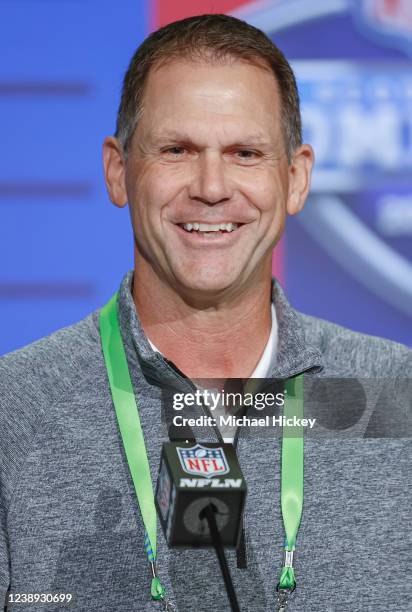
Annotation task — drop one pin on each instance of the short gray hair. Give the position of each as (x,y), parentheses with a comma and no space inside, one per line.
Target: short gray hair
(211,38)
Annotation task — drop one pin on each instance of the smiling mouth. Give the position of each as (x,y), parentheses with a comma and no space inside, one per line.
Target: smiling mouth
(210,229)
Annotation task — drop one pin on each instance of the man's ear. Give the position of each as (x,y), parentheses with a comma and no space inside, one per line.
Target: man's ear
(300,171)
(114,171)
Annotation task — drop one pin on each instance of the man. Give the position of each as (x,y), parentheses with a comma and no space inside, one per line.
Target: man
(208,155)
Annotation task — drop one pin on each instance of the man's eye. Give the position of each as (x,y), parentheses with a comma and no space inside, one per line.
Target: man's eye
(175,151)
(247,154)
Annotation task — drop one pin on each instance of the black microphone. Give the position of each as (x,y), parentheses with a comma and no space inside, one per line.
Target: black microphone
(191,478)
(200,496)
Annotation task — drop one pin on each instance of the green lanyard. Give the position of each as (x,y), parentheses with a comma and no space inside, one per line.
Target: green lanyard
(291,487)
(125,404)
(131,431)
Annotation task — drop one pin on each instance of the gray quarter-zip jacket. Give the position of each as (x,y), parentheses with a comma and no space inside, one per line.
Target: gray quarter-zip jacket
(69,520)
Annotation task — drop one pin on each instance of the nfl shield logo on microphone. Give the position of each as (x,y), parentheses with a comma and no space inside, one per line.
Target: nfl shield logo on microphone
(201,461)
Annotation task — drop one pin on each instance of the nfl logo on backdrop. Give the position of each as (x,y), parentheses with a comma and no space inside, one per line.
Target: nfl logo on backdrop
(390,19)
(357,116)
(201,461)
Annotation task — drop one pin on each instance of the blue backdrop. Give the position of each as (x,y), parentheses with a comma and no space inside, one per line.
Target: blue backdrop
(64,247)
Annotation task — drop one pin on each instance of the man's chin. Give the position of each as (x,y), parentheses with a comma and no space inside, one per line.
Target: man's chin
(206,284)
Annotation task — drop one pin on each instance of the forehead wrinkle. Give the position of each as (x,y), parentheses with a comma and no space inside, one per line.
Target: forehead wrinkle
(256,138)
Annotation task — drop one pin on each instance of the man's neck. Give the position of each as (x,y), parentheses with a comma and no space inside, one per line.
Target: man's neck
(225,340)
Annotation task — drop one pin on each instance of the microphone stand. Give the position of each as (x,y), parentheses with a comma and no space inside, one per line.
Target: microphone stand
(209,514)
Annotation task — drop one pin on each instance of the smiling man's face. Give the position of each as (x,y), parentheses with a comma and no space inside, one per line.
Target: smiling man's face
(207,176)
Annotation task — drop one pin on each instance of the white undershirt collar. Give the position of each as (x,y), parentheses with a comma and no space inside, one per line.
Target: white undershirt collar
(261,370)
(269,353)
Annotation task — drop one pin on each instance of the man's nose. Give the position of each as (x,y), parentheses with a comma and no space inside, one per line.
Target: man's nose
(210,182)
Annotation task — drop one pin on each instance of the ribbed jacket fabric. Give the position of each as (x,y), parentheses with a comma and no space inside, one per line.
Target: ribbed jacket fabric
(69,521)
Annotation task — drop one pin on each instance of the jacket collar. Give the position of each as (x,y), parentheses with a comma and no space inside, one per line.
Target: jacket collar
(294,354)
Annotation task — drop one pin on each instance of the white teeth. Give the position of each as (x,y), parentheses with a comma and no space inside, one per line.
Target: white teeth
(209,227)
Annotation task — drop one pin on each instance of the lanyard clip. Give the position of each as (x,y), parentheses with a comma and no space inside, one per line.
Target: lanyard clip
(288,583)
(161,596)
(283,598)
